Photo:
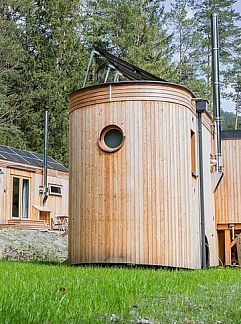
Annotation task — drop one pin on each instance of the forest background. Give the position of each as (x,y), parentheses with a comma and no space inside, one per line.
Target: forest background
(45,47)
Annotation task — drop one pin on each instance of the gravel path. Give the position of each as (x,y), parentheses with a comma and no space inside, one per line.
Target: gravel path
(33,245)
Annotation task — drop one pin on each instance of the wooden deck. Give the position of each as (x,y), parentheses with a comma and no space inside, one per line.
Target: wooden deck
(25,224)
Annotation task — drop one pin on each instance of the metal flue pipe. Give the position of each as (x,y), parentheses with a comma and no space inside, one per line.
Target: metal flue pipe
(216,87)
(45,170)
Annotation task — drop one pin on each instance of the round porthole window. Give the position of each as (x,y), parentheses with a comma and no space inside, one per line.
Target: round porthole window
(111,138)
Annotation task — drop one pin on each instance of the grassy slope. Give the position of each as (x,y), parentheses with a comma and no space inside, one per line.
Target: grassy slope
(35,293)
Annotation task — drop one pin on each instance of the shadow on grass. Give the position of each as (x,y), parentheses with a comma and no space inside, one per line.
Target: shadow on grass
(125,265)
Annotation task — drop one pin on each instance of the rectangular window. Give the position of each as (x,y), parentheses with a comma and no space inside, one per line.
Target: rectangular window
(15,199)
(193,154)
(20,198)
(55,190)
(25,198)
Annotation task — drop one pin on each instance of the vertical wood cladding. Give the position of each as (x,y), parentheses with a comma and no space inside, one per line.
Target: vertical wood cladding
(227,198)
(57,204)
(139,204)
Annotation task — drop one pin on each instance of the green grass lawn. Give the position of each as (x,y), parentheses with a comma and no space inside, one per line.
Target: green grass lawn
(39,293)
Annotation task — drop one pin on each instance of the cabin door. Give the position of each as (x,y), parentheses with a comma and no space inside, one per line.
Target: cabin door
(20,198)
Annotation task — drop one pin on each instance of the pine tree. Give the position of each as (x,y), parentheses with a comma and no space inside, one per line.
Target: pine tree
(12,57)
(51,67)
(229,35)
(131,29)
(185,38)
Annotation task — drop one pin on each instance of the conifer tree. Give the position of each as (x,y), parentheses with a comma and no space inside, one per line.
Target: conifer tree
(185,38)
(229,36)
(50,68)
(12,57)
(131,29)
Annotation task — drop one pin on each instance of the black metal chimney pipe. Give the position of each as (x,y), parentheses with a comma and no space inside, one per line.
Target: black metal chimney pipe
(216,87)
(45,171)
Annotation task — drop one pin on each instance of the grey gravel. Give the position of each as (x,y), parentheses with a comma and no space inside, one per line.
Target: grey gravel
(33,245)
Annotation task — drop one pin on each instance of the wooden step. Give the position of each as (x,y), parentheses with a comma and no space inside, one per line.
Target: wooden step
(27,224)
(25,221)
(6,225)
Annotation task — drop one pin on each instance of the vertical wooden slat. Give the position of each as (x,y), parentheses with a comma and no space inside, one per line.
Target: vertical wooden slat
(227,200)
(227,247)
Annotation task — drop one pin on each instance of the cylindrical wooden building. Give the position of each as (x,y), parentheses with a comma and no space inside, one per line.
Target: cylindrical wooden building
(134,186)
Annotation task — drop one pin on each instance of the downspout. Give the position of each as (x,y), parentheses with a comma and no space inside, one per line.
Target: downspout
(216,89)
(45,168)
(201,106)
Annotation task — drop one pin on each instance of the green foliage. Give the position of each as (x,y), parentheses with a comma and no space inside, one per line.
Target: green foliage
(229,37)
(12,136)
(47,38)
(33,293)
(185,43)
(192,43)
(228,120)
(12,58)
(44,50)
(132,30)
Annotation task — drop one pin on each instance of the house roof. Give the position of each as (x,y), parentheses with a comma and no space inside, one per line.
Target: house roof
(231,134)
(130,71)
(29,158)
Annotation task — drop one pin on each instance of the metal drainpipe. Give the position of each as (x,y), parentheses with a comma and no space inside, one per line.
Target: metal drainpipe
(201,188)
(201,107)
(216,87)
(45,171)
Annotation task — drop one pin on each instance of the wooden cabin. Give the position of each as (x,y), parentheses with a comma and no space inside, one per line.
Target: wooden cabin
(21,189)
(134,176)
(228,199)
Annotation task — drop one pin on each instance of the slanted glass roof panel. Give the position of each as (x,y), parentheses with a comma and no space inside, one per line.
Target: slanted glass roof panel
(51,159)
(17,158)
(7,156)
(116,69)
(37,155)
(5,149)
(36,162)
(52,165)
(2,157)
(129,70)
(29,158)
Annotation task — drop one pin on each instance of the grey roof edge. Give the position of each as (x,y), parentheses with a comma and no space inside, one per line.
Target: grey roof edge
(231,134)
(21,167)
